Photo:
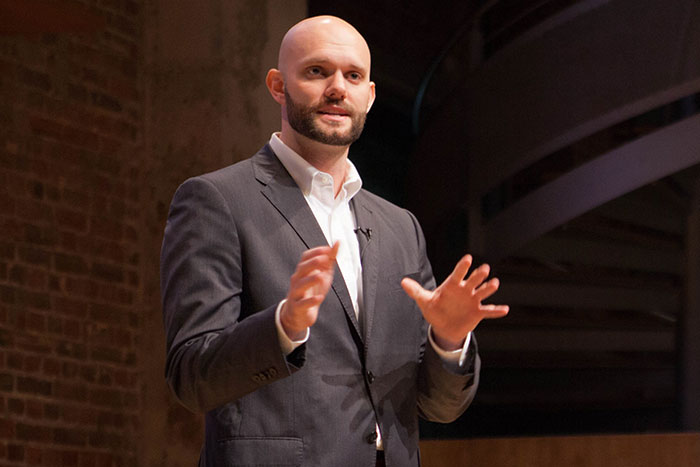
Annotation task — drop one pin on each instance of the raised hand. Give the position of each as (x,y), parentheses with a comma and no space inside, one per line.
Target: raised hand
(454,309)
(308,287)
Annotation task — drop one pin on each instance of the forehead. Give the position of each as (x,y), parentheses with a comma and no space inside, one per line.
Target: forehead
(327,43)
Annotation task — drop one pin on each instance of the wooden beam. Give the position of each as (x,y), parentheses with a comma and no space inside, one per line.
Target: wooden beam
(611,175)
(647,450)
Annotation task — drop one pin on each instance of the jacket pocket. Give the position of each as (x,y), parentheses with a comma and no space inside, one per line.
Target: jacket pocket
(260,451)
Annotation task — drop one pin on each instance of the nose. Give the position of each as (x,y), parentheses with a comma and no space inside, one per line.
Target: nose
(336,87)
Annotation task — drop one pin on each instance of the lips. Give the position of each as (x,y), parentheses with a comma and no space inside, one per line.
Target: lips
(334,110)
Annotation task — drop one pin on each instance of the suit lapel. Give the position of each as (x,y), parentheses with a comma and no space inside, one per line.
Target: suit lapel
(369,242)
(282,191)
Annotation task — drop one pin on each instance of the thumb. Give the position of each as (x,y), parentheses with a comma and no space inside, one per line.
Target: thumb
(414,290)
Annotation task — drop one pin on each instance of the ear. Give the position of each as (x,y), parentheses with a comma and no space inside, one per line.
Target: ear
(372,95)
(275,84)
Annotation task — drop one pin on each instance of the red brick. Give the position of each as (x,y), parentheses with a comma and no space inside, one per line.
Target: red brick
(6,382)
(35,386)
(71,219)
(111,419)
(15,452)
(7,250)
(52,411)
(34,211)
(108,440)
(31,299)
(51,367)
(36,323)
(39,235)
(107,354)
(80,415)
(34,409)
(7,294)
(116,294)
(36,256)
(32,363)
(72,329)
(45,127)
(106,397)
(11,229)
(106,228)
(15,406)
(87,459)
(81,138)
(27,432)
(70,307)
(69,436)
(107,272)
(106,102)
(71,349)
(15,361)
(32,455)
(7,429)
(70,263)
(75,199)
(70,391)
(107,314)
(81,286)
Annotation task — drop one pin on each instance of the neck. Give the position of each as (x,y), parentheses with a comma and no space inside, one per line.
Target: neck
(324,157)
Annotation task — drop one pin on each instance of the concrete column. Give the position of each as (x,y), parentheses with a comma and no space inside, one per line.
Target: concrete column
(206,106)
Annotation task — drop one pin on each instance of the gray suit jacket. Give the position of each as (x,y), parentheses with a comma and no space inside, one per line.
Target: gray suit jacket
(231,243)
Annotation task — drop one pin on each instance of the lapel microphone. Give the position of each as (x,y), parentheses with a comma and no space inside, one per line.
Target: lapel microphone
(367,232)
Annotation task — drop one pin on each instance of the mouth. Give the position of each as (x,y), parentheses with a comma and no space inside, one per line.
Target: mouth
(334,112)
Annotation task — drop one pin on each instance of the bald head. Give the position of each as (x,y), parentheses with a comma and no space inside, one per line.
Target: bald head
(309,34)
(322,85)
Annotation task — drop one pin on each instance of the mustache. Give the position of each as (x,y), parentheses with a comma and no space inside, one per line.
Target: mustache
(336,102)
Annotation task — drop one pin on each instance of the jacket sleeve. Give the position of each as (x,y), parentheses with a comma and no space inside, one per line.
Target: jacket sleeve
(214,355)
(443,394)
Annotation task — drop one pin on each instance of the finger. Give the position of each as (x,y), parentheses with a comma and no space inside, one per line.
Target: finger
(307,303)
(334,249)
(317,282)
(460,270)
(477,277)
(316,263)
(317,251)
(487,289)
(494,311)
(414,290)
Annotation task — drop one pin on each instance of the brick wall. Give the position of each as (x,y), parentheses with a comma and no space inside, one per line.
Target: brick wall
(70,278)
(97,129)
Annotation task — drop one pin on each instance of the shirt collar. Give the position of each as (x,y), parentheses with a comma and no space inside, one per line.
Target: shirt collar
(304,173)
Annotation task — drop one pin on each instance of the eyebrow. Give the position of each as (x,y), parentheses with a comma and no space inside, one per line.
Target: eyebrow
(323,60)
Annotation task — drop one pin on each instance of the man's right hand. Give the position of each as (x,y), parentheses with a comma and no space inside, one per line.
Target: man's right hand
(308,287)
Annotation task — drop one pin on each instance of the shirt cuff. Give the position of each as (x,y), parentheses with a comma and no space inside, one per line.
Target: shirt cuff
(451,357)
(286,343)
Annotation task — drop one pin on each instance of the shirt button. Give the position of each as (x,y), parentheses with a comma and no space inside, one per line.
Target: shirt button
(372,438)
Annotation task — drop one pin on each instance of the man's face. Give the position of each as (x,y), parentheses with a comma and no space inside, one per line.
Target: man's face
(327,91)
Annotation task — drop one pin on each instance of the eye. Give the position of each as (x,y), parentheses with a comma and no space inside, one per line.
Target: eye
(315,71)
(355,76)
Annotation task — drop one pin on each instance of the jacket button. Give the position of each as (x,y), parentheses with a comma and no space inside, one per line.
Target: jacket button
(370,377)
(372,437)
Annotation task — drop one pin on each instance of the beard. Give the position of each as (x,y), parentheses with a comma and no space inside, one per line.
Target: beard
(302,119)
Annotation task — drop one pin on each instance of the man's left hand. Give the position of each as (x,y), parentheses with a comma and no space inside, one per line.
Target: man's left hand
(454,309)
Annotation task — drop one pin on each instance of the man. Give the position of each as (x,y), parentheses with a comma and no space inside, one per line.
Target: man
(295,303)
